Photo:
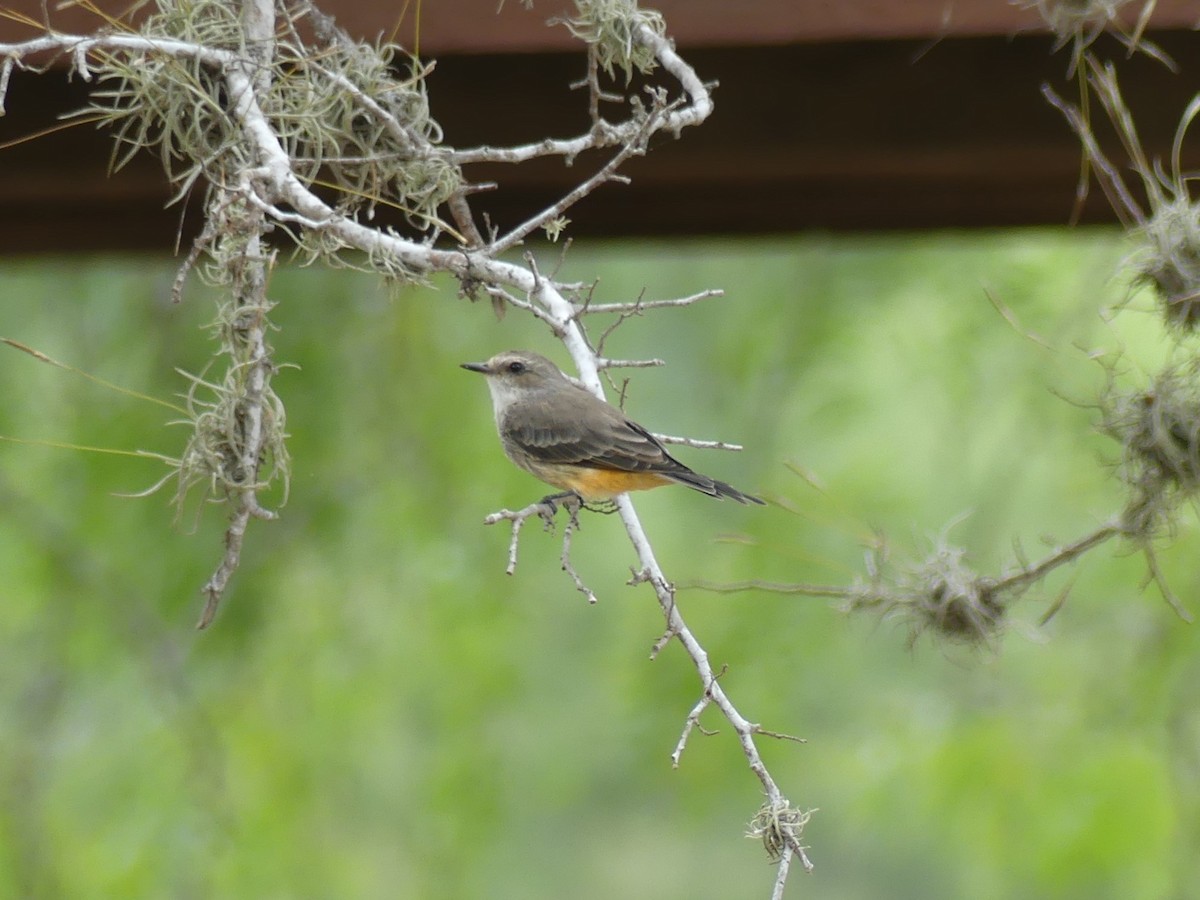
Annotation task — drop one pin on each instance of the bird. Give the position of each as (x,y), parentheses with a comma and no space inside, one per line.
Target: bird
(569,438)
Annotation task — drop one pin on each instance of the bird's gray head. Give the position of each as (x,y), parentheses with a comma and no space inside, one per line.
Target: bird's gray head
(517,374)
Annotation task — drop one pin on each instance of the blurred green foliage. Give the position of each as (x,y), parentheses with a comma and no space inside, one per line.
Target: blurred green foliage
(380,712)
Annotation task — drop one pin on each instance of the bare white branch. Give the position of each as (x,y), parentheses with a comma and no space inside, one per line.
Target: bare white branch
(699,444)
(781,874)
(663,639)
(546,509)
(214,588)
(692,721)
(81,64)
(595,93)
(635,146)
(571,527)
(587,363)
(605,363)
(638,306)
(604,134)
(518,519)
(498,294)
(5,74)
(597,138)
(251,305)
(272,189)
(78,43)
(779,735)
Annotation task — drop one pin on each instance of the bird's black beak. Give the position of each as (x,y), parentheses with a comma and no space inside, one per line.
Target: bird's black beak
(477,367)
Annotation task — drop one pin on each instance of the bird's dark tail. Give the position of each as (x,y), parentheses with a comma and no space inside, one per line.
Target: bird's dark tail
(711,486)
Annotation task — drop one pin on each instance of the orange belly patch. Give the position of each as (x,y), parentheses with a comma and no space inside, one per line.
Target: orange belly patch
(604,484)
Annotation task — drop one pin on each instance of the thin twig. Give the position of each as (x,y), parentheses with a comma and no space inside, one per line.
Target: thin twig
(235,534)
(659,645)
(518,519)
(1067,553)
(781,874)
(697,443)
(608,332)
(571,527)
(638,306)
(605,363)
(595,93)
(779,735)
(635,146)
(546,509)
(773,587)
(199,245)
(501,297)
(692,721)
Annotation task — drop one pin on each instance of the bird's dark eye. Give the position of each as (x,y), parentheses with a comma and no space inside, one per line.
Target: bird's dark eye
(516,367)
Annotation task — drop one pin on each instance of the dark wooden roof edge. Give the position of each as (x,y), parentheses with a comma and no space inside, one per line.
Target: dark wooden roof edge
(486,26)
(860,135)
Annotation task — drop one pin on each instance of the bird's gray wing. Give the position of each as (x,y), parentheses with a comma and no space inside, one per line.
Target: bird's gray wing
(577,428)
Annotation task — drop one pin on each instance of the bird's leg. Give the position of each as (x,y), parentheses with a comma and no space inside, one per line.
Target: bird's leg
(572,502)
(548,506)
(567,498)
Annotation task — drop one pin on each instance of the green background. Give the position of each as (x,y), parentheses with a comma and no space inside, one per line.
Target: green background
(379,711)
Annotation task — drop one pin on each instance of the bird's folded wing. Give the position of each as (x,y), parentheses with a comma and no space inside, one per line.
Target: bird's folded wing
(598,436)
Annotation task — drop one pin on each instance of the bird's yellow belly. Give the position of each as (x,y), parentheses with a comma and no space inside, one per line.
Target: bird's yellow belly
(597,484)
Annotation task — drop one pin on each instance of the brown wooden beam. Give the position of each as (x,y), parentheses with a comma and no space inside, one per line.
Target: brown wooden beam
(439,27)
(863,135)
